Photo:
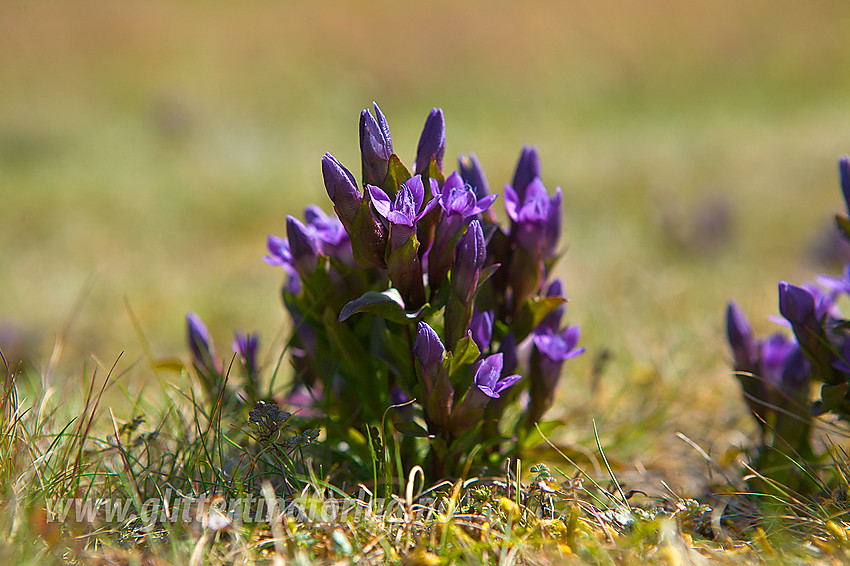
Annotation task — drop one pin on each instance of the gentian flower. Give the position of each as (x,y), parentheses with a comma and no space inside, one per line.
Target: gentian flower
(428,350)
(527,169)
(302,245)
(432,142)
(279,254)
(553,319)
(439,394)
(836,285)
(559,346)
(330,233)
(203,351)
(773,357)
(376,146)
(469,259)
(403,213)
(342,188)
(403,265)
(740,335)
(245,346)
(481,327)
(535,217)
(368,236)
(551,350)
(488,376)
(459,205)
(535,227)
(473,175)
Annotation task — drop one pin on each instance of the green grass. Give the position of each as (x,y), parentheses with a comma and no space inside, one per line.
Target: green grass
(146,149)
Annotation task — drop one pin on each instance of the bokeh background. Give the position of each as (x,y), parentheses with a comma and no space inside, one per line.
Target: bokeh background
(148,148)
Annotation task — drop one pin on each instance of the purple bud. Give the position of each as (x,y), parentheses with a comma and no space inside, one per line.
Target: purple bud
(469,259)
(844,174)
(302,245)
(432,143)
(481,327)
(245,346)
(797,305)
(203,351)
(341,187)
(473,175)
(376,146)
(553,225)
(428,350)
(744,348)
(527,169)
(553,319)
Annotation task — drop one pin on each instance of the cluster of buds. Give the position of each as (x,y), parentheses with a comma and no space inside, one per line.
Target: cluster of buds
(414,291)
(777,372)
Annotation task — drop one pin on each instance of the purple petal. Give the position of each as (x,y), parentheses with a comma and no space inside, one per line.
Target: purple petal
(512,203)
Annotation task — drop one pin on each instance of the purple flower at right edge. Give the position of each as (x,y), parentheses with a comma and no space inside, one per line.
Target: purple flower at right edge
(551,349)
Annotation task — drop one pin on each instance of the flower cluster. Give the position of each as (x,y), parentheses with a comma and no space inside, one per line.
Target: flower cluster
(777,372)
(413,295)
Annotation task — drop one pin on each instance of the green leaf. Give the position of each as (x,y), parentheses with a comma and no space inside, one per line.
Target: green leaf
(529,438)
(386,304)
(411,428)
(532,312)
(831,397)
(465,352)
(397,175)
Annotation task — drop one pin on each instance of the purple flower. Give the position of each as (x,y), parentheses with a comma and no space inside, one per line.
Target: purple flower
(740,335)
(245,346)
(473,174)
(279,254)
(403,213)
(481,327)
(460,200)
(432,143)
(428,350)
(203,351)
(376,146)
(553,319)
(844,174)
(559,346)
(773,358)
(469,259)
(836,285)
(459,205)
(527,169)
(488,376)
(536,219)
(341,187)
(329,232)
(302,245)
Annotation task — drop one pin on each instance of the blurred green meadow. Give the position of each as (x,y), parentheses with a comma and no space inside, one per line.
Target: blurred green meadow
(148,148)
